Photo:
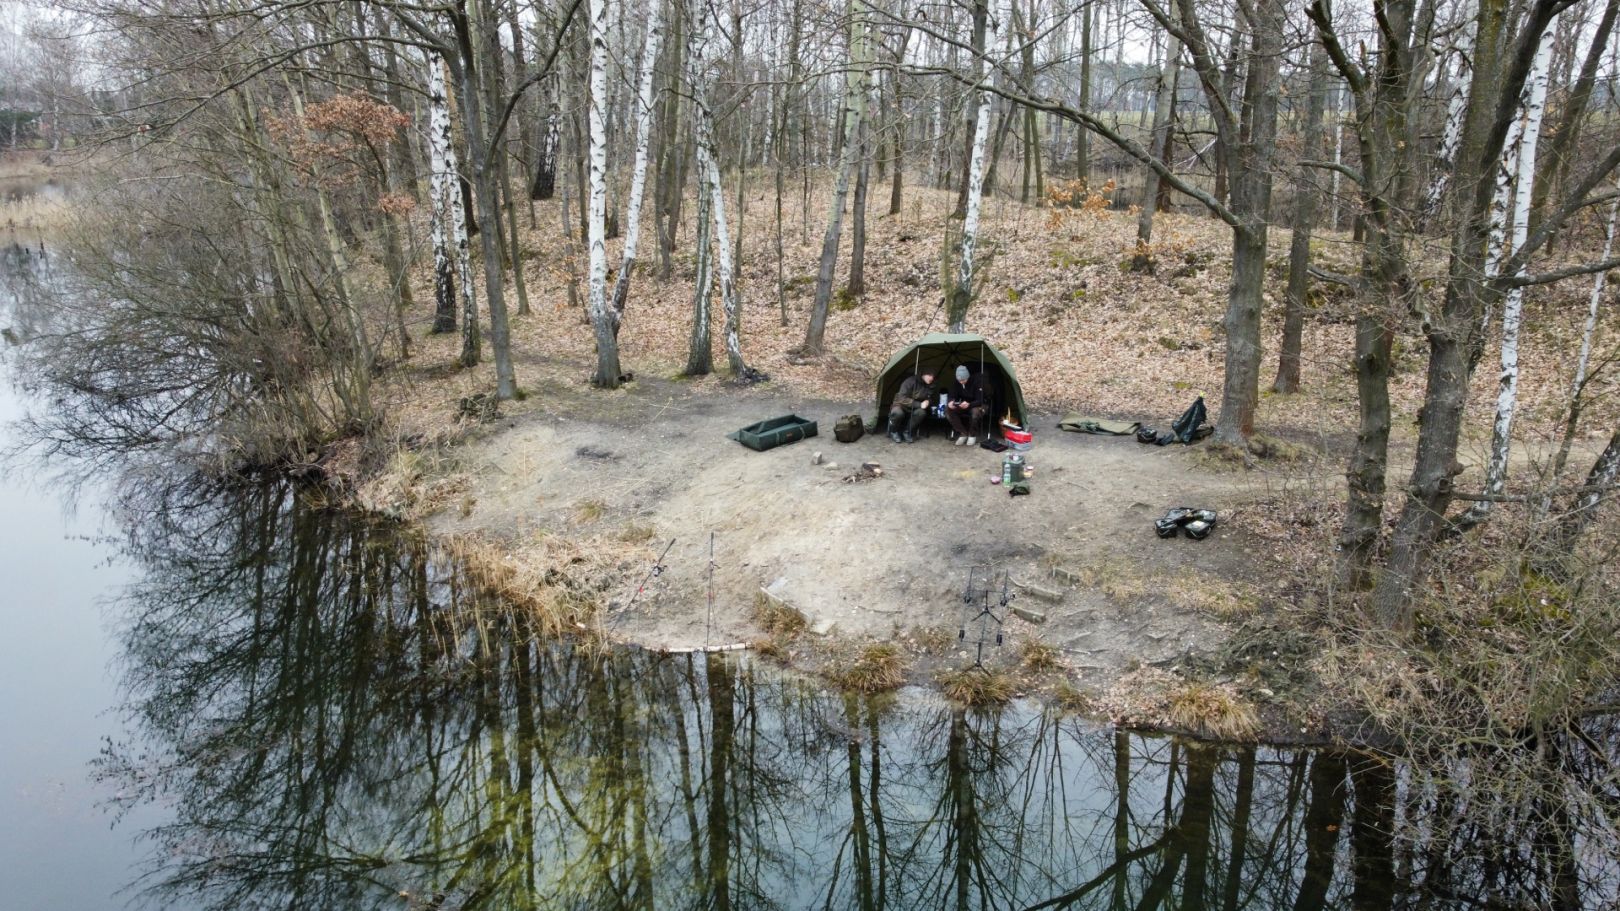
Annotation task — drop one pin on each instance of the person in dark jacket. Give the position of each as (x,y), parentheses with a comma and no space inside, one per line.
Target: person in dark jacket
(910,406)
(967,406)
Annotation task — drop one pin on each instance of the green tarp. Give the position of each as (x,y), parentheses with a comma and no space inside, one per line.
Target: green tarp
(1076,422)
(940,353)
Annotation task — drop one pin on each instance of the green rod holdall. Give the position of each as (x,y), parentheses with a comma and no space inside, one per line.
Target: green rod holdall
(775,432)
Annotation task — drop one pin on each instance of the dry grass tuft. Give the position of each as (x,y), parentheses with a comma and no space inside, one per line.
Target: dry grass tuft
(777,619)
(411,485)
(1070,700)
(934,640)
(1212,711)
(1039,657)
(976,686)
(878,667)
(563,583)
(588,511)
(637,533)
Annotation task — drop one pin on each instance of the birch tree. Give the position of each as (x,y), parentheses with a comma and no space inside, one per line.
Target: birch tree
(962,295)
(854,112)
(452,218)
(1456,104)
(1507,395)
(638,171)
(1583,361)
(708,177)
(700,347)
(607,345)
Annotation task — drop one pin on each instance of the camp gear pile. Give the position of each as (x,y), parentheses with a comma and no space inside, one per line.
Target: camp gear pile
(1195,523)
(1192,426)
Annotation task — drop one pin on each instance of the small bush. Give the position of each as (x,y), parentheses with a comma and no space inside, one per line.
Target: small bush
(878,667)
(976,686)
(777,619)
(935,640)
(1070,700)
(1212,711)
(1039,657)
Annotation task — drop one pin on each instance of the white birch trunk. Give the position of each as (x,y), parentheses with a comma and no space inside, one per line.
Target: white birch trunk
(1338,153)
(448,195)
(854,111)
(970,224)
(1599,282)
(1534,106)
(607,354)
(439,181)
(1456,105)
(638,171)
(700,357)
(709,180)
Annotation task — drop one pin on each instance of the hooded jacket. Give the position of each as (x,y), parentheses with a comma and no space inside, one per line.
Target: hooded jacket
(914,393)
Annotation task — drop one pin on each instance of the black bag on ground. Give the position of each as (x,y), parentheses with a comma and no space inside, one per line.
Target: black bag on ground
(1186,428)
(1146,434)
(849,428)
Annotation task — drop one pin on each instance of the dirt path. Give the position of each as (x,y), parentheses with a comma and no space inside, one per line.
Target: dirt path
(876,558)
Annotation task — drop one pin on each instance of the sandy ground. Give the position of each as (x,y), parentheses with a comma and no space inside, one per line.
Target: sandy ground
(871,559)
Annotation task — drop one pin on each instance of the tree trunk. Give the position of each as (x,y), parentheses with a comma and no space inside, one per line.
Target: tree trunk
(1388,165)
(1082,147)
(607,345)
(483,175)
(1240,391)
(1163,107)
(444,151)
(638,173)
(671,157)
(898,140)
(854,112)
(961,296)
(1561,144)
(976,101)
(709,185)
(700,350)
(1599,482)
(1577,391)
(1299,249)
(1251,202)
(857,254)
(1534,106)
(442,203)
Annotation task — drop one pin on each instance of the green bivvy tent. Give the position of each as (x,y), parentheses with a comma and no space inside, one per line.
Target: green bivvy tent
(940,353)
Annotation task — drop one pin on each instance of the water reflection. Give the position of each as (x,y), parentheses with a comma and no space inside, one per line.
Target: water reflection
(339,723)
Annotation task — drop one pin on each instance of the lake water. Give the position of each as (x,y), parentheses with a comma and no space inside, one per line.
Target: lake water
(222,696)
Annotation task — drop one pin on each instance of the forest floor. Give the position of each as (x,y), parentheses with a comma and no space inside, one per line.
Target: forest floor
(581,488)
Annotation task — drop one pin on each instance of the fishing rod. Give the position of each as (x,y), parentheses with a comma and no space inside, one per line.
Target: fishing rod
(657,570)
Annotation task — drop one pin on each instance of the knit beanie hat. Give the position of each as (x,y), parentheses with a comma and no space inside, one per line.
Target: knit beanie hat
(961,374)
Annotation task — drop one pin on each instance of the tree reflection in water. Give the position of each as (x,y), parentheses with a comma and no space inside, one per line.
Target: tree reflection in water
(339,722)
